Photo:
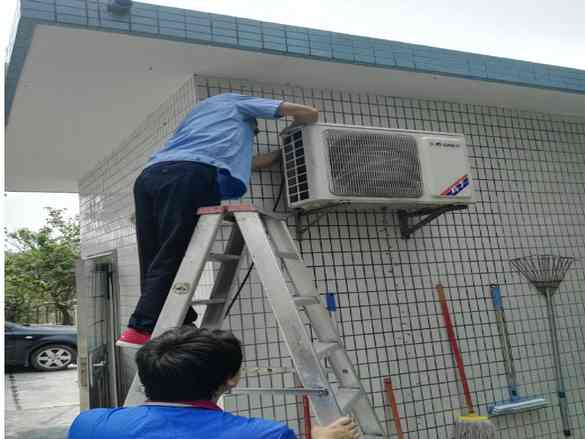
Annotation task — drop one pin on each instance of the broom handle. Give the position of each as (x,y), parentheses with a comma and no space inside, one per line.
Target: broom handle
(455,348)
(393,407)
(505,343)
(563,403)
(307,417)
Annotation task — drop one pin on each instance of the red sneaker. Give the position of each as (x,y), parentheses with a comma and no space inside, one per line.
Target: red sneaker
(131,338)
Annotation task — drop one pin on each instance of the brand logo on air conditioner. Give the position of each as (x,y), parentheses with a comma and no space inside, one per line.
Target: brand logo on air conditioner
(460,184)
(444,144)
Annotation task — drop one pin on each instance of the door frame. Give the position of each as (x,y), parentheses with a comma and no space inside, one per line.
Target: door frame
(112,317)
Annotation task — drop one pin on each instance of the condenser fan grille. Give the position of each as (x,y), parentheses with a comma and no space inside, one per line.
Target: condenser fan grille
(373,165)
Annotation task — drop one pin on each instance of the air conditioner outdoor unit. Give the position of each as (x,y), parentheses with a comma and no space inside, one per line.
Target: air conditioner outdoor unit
(332,164)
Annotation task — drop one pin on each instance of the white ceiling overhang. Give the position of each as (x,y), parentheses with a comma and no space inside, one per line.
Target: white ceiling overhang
(81,92)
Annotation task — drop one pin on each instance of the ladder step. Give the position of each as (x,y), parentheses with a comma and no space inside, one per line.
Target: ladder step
(295,391)
(325,348)
(223,257)
(247,371)
(208,302)
(301,301)
(287,255)
(346,397)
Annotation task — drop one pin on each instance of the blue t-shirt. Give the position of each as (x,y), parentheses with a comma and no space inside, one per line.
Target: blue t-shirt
(162,422)
(219,131)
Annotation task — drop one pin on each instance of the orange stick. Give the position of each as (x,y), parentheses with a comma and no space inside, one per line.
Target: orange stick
(455,347)
(393,406)
(307,416)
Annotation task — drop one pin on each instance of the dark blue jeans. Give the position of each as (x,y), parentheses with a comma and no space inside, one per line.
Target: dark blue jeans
(167,196)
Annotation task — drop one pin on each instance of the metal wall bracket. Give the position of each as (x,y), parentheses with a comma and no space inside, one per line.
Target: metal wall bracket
(320,212)
(406,230)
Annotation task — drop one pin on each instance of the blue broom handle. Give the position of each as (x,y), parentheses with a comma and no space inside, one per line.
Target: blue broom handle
(497,297)
(496,294)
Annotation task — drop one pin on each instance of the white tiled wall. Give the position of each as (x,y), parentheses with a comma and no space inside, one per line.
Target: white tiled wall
(529,170)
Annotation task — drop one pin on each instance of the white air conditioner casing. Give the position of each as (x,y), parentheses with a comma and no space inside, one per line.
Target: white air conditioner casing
(331,164)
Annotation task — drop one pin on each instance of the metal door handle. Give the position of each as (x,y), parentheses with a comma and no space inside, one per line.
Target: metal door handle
(91,372)
(29,337)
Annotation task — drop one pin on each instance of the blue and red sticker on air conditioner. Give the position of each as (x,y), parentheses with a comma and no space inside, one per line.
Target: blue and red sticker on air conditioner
(460,184)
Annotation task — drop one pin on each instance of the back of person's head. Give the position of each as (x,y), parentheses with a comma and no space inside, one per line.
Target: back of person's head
(187,363)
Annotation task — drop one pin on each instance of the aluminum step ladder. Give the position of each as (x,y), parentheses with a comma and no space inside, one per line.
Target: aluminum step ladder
(270,245)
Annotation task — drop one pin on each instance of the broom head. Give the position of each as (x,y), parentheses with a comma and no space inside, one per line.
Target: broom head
(517,405)
(473,426)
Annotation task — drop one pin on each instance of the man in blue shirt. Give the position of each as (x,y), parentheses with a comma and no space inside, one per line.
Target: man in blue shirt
(208,159)
(184,372)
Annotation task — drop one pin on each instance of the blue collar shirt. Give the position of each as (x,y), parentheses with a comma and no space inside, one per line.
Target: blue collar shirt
(164,422)
(219,131)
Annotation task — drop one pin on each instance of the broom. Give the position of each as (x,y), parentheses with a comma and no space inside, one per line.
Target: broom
(470,426)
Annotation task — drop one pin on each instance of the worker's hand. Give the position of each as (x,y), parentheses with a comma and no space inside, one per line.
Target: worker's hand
(311,116)
(300,113)
(343,428)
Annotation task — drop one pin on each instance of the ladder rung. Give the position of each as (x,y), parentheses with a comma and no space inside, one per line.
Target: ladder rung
(317,391)
(287,255)
(246,371)
(325,348)
(208,302)
(346,396)
(223,257)
(306,300)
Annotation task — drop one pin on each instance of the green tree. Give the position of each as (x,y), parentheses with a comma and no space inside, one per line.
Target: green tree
(40,268)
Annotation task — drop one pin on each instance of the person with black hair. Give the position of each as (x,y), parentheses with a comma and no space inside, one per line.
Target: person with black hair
(184,372)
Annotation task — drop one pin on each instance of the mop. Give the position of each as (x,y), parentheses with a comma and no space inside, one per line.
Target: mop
(516,403)
(546,273)
(470,426)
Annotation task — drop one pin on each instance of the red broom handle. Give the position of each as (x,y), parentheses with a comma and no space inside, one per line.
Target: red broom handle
(454,347)
(394,407)
(307,416)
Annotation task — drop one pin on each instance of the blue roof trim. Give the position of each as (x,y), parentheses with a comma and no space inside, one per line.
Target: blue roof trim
(245,34)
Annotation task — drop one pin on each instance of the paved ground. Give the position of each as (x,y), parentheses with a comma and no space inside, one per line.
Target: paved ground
(40,404)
